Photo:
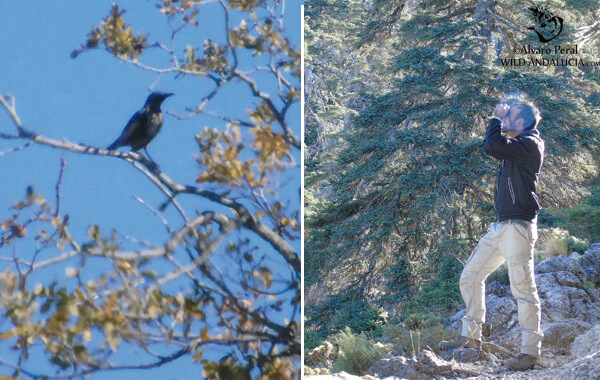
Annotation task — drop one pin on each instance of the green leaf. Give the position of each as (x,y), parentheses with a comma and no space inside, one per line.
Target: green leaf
(150,274)
(94,233)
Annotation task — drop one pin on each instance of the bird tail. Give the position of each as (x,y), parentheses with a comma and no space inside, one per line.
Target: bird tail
(114,145)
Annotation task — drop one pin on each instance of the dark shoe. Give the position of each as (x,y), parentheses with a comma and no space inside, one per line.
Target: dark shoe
(460,342)
(523,362)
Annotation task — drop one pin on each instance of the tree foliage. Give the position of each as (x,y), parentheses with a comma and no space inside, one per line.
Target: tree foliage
(223,289)
(412,185)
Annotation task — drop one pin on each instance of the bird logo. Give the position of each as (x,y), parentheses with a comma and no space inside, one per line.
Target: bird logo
(547,26)
(144,125)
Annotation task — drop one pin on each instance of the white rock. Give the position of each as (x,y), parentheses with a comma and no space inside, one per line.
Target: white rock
(587,344)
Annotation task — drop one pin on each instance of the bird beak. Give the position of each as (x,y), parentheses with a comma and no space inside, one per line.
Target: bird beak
(169,94)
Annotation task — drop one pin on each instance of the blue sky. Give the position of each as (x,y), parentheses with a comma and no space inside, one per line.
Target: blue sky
(89,99)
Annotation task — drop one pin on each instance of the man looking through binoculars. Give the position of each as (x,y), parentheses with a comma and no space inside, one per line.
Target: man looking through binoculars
(512,237)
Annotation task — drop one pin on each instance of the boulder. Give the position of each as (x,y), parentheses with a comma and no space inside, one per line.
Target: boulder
(498,289)
(465,355)
(425,366)
(322,356)
(587,344)
(455,321)
(559,336)
(395,365)
(590,262)
(429,363)
(575,255)
(566,278)
(560,263)
(585,368)
(563,292)
(560,303)
(501,313)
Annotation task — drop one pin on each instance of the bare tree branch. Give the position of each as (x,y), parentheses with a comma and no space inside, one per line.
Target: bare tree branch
(290,136)
(168,187)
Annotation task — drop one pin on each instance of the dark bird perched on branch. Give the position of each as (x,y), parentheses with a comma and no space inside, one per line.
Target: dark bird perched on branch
(144,125)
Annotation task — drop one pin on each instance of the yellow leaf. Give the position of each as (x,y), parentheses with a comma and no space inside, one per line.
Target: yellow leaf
(235,172)
(198,314)
(20,205)
(266,276)
(79,294)
(5,225)
(204,177)
(231,153)
(198,356)
(180,299)
(124,265)
(71,272)
(87,335)
(255,117)
(153,310)
(94,232)
(114,341)
(204,334)
(249,175)
(56,222)
(237,136)
(7,335)
(38,289)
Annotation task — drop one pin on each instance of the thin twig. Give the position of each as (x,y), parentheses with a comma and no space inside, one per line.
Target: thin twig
(290,136)
(11,110)
(155,212)
(16,149)
(63,163)
(200,107)
(240,123)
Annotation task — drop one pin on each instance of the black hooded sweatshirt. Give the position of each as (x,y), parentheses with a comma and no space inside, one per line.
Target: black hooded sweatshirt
(522,157)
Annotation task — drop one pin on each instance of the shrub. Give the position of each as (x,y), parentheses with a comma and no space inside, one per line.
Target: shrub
(357,352)
(557,241)
(409,340)
(358,316)
(576,245)
(344,309)
(312,339)
(441,291)
(315,371)
(553,242)
(500,275)
(584,219)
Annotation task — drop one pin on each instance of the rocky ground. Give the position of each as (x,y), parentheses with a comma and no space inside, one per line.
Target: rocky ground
(569,289)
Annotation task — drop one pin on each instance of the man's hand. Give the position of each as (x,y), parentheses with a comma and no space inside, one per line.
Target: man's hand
(501,110)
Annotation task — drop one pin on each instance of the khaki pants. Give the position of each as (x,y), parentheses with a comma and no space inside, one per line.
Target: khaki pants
(511,241)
